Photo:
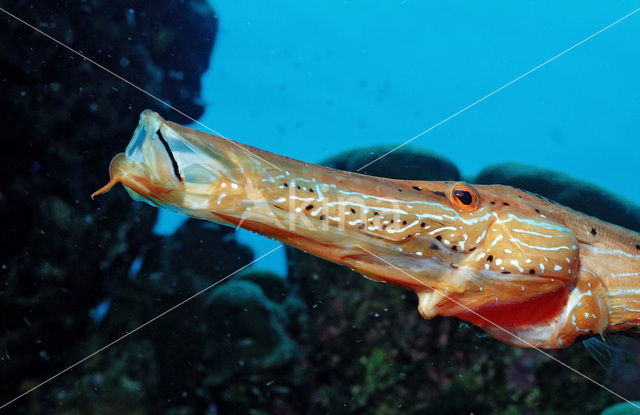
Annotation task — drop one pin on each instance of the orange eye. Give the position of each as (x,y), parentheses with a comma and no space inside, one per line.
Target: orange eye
(464,197)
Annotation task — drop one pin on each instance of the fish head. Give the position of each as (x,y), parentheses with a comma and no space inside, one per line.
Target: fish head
(169,166)
(492,252)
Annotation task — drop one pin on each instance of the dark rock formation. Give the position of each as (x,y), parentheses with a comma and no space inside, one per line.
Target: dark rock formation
(76,274)
(406,163)
(566,190)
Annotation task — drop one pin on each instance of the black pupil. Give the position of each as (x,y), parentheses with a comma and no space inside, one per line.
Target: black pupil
(463,196)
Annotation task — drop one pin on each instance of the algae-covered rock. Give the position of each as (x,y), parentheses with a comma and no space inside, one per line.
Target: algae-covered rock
(248,333)
(250,356)
(566,190)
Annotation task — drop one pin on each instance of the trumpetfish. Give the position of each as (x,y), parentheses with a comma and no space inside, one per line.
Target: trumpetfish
(528,271)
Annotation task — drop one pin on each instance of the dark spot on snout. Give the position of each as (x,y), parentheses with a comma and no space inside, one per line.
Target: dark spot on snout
(174,163)
(593,231)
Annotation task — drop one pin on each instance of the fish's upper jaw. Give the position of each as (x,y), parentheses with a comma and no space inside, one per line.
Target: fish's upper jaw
(171,168)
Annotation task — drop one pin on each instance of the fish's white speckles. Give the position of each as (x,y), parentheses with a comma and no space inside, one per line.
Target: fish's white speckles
(522,287)
(298,210)
(544,235)
(495,241)
(486,266)
(508,251)
(444,228)
(280,200)
(480,256)
(575,247)
(528,261)
(568,260)
(234,186)
(541,248)
(315,212)
(355,222)
(517,265)
(335,218)
(498,261)
(287,173)
(481,237)
(222,196)
(223,185)
(446,242)
(557,267)
(541,268)
(419,253)
(626,274)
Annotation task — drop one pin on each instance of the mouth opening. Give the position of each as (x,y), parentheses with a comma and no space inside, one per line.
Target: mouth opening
(174,163)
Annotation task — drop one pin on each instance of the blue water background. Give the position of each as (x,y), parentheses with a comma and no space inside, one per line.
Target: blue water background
(310,79)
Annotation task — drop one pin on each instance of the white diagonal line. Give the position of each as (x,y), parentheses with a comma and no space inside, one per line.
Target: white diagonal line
(137,87)
(500,327)
(501,88)
(136,329)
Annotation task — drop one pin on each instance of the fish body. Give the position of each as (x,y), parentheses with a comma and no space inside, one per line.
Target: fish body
(528,271)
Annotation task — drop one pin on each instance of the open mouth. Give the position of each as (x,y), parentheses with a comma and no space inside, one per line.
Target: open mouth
(164,149)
